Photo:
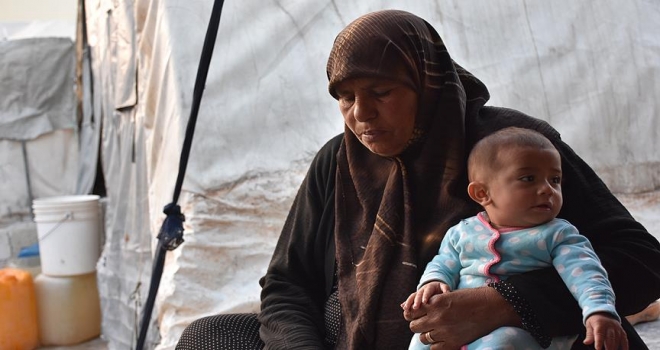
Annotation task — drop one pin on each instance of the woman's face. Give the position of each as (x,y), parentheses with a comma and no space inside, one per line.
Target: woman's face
(380,112)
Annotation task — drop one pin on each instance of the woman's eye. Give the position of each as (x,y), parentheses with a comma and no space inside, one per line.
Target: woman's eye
(346,101)
(381,93)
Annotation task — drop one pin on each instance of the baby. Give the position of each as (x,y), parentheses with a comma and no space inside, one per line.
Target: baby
(515,175)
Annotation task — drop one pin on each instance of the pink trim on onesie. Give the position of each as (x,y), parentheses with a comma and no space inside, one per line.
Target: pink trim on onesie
(491,246)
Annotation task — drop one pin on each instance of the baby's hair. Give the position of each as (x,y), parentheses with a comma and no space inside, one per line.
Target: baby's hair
(485,154)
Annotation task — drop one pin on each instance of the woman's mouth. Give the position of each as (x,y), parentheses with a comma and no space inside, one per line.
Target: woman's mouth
(371,135)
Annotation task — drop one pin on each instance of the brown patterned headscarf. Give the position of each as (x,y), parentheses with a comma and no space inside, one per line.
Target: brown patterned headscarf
(392,213)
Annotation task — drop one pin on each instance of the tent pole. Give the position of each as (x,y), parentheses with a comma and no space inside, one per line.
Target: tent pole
(171,232)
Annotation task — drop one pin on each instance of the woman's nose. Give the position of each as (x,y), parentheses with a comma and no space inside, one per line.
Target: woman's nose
(363,109)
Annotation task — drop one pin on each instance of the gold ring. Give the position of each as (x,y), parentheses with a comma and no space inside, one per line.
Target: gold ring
(428,337)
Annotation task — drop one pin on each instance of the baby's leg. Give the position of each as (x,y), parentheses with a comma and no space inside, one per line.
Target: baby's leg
(501,339)
(416,344)
(513,338)
(505,338)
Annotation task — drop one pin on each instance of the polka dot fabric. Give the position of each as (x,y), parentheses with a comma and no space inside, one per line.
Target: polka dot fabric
(229,331)
(332,319)
(524,310)
(474,254)
(241,331)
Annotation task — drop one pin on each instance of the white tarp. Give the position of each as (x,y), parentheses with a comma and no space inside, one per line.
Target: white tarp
(36,81)
(589,67)
(59,28)
(38,126)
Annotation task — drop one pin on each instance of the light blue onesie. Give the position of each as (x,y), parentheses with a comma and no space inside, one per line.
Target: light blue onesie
(473,254)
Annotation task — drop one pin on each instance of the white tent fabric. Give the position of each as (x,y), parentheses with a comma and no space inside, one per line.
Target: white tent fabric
(15,30)
(36,101)
(40,147)
(47,162)
(589,67)
(37,85)
(38,127)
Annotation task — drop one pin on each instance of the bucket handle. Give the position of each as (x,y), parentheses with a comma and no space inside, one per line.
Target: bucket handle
(68,215)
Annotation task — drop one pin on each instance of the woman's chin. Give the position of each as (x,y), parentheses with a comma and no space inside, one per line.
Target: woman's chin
(382,150)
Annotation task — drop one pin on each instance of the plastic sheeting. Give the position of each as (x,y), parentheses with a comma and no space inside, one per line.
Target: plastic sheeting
(39,139)
(15,30)
(38,129)
(47,162)
(36,101)
(588,67)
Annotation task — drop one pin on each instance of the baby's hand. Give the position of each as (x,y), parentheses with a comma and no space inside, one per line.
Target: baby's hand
(606,332)
(424,293)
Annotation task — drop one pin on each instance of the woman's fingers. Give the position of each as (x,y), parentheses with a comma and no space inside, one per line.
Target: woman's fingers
(460,317)
(428,316)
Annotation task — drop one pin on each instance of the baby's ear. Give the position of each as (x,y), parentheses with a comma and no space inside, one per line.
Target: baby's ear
(478,191)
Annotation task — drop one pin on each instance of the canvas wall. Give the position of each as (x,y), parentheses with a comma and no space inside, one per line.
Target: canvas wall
(590,68)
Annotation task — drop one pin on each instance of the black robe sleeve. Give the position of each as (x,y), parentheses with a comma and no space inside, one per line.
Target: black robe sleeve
(299,277)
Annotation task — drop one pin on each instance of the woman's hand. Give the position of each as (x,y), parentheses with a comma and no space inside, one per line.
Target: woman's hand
(460,317)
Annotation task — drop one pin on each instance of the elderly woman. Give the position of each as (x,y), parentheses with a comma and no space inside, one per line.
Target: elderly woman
(379,198)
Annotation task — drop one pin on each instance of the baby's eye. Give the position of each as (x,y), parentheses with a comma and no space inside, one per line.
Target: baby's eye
(527,178)
(556,180)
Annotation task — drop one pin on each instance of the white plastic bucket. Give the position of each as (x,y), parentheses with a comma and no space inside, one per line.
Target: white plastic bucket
(68,230)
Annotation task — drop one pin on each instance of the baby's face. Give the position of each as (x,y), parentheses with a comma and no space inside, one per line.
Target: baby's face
(526,191)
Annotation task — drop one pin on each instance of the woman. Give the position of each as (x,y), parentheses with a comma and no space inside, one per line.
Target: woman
(378,199)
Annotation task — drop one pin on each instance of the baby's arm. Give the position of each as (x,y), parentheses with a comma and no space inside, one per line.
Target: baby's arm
(424,293)
(605,332)
(579,267)
(440,275)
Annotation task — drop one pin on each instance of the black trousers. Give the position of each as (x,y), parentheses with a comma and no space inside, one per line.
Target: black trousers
(241,331)
(227,331)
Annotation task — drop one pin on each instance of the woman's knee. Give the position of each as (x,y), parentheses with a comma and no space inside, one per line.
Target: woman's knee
(228,331)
